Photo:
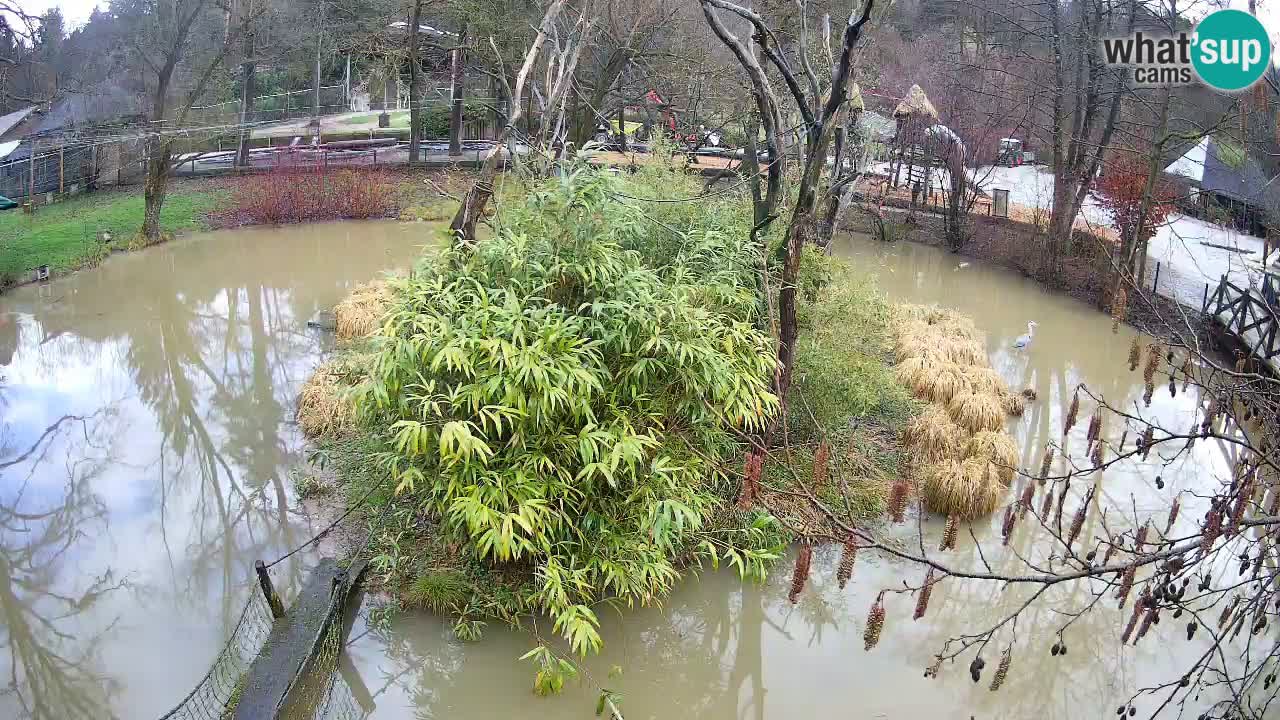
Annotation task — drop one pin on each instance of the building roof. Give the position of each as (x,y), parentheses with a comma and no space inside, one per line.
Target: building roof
(7,122)
(1223,168)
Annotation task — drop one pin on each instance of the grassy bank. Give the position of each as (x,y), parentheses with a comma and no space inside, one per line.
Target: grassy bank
(64,235)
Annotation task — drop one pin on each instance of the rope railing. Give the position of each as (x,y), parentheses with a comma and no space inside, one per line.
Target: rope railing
(215,695)
(321,690)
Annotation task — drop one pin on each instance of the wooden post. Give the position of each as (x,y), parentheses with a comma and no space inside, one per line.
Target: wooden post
(268,590)
(1155,283)
(62,185)
(31,180)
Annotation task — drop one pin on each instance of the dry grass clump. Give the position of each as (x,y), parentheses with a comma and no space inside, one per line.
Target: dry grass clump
(985,380)
(912,371)
(977,412)
(963,456)
(323,408)
(360,313)
(996,448)
(932,435)
(968,490)
(932,380)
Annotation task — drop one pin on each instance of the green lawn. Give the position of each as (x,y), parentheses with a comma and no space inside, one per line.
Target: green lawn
(64,235)
(399,119)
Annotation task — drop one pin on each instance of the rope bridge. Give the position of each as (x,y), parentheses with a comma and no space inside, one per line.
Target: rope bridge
(287,665)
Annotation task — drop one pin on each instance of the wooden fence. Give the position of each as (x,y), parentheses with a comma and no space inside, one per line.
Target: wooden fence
(1251,316)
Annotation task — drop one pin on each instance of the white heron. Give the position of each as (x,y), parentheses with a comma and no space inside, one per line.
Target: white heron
(1024,341)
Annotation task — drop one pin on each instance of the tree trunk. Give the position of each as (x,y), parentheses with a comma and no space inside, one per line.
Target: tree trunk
(415,125)
(154,189)
(457,90)
(248,79)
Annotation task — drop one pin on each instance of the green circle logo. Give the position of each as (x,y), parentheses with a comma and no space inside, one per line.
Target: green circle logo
(1231,50)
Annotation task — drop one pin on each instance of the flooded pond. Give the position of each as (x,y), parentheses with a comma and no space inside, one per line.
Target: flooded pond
(722,649)
(146,447)
(147,450)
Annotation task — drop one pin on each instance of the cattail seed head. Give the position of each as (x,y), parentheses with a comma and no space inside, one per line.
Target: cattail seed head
(1097,455)
(1148,393)
(1153,363)
(1134,354)
(1095,426)
(1077,522)
(1002,670)
(950,532)
(1152,614)
(898,500)
(1211,530)
(1126,584)
(875,623)
(1072,412)
(1046,464)
(1138,607)
(848,557)
(1046,505)
(1225,615)
(1173,514)
(1028,496)
(1118,304)
(820,459)
(801,573)
(1140,539)
(922,597)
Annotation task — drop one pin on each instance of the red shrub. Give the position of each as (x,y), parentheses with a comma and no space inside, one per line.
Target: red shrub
(1120,190)
(292,194)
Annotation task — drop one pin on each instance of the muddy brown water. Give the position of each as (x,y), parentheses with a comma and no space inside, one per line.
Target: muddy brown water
(147,456)
(147,448)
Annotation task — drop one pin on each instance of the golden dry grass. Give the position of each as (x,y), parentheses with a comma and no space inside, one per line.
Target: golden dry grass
(997,448)
(360,313)
(984,379)
(932,435)
(970,489)
(967,456)
(977,411)
(322,406)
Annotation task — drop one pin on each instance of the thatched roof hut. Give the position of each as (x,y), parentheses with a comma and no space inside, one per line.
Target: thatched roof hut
(915,104)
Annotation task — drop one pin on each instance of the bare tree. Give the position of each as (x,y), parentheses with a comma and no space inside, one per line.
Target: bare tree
(819,108)
(181,44)
(477,198)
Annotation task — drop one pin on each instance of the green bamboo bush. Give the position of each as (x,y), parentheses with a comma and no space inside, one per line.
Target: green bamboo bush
(564,401)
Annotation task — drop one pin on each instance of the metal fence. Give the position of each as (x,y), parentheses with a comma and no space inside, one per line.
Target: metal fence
(274,107)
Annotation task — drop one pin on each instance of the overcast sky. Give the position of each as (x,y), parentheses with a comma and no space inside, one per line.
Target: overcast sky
(77,12)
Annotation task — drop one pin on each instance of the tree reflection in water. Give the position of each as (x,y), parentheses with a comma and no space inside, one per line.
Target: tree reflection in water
(48,655)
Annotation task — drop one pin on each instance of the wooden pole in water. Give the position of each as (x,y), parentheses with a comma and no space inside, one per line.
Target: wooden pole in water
(269,590)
